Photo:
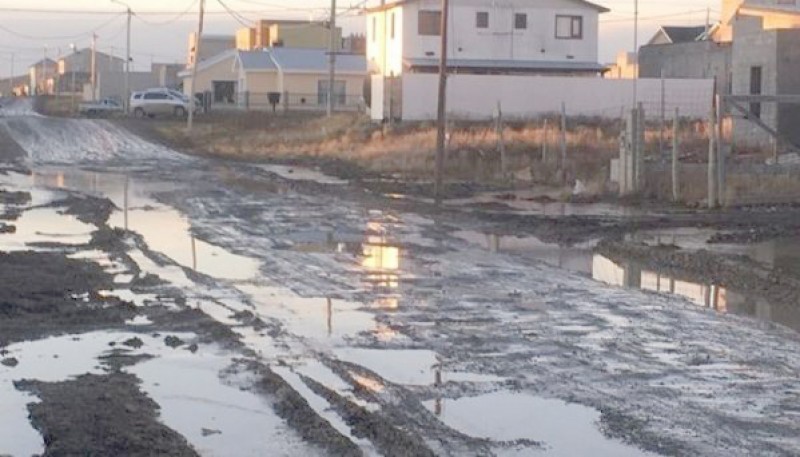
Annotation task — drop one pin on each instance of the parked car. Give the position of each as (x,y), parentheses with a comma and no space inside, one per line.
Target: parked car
(157,102)
(103,108)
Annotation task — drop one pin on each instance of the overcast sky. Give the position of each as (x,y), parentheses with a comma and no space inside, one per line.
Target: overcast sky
(163,37)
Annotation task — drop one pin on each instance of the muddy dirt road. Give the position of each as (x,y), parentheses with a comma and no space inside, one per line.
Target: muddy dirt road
(159,304)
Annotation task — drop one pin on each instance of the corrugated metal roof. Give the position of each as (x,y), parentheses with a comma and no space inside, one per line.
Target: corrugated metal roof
(389,5)
(678,34)
(256,61)
(300,60)
(526,65)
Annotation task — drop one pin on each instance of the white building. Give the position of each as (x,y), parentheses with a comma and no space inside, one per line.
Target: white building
(485,37)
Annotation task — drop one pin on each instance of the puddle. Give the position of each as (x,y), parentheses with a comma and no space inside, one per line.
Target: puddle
(45,225)
(302,174)
(164,229)
(319,319)
(566,430)
(527,202)
(50,360)
(706,295)
(416,367)
(576,258)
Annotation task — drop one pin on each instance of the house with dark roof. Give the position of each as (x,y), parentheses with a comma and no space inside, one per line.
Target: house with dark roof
(678,34)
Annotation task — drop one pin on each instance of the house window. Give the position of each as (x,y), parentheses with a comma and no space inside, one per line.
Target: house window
(520,21)
(482,20)
(374,28)
(393,24)
(569,27)
(755,89)
(429,23)
(339,92)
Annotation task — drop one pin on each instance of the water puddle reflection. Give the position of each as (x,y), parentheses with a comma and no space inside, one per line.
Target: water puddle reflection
(565,430)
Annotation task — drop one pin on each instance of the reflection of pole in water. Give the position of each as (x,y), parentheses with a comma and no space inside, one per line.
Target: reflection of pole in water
(329,312)
(125,199)
(194,254)
(437,382)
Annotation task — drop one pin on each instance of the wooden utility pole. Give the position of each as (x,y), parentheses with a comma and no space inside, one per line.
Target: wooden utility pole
(94,67)
(564,138)
(441,112)
(11,77)
(635,52)
(197,41)
(332,58)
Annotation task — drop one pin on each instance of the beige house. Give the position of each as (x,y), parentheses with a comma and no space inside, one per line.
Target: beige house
(216,75)
(299,77)
(288,34)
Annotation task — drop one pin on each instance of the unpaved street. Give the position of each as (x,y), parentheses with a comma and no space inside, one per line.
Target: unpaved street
(156,303)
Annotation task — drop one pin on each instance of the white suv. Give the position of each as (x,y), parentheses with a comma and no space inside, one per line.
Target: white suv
(156,102)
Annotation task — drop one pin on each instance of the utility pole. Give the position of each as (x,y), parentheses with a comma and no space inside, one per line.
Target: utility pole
(44,71)
(197,40)
(332,57)
(635,52)
(442,109)
(127,102)
(94,67)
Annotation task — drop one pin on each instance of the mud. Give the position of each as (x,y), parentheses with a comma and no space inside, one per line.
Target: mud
(39,297)
(102,415)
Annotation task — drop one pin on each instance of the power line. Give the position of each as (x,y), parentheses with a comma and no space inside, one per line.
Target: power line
(240,19)
(177,17)
(60,37)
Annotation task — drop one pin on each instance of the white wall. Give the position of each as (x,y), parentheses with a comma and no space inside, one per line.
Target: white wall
(476,96)
(500,41)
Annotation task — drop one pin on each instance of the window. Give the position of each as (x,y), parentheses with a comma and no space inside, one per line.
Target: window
(482,20)
(393,24)
(374,28)
(569,27)
(520,21)
(339,92)
(755,89)
(156,96)
(430,23)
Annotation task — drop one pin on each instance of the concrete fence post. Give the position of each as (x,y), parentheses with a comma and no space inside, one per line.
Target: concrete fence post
(286,101)
(564,140)
(247,100)
(712,153)
(641,128)
(675,156)
(544,141)
(501,147)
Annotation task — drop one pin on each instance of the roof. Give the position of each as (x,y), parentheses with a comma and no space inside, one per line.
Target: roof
(46,62)
(390,5)
(300,60)
(508,65)
(680,34)
(211,61)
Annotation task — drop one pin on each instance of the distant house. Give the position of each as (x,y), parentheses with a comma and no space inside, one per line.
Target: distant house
(300,76)
(269,33)
(210,46)
(40,76)
(625,67)
(75,70)
(486,37)
(686,53)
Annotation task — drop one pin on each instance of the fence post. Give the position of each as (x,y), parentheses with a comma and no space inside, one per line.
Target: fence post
(286,101)
(641,128)
(712,152)
(564,140)
(501,147)
(622,169)
(675,156)
(663,125)
(544,142)
(247,100)
(720,150)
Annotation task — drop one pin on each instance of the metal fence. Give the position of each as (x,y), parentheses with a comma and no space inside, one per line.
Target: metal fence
(292,101)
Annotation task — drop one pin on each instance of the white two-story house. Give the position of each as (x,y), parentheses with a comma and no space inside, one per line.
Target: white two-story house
(557,37)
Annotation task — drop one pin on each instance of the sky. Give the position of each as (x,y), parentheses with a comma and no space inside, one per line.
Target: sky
(160,28)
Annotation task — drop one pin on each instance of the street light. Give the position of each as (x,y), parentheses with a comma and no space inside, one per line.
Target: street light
(127,94)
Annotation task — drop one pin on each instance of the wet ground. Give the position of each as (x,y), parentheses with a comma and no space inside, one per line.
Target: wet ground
(205,307)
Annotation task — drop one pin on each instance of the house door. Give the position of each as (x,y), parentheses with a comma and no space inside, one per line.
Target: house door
(224,91)
(755,89)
